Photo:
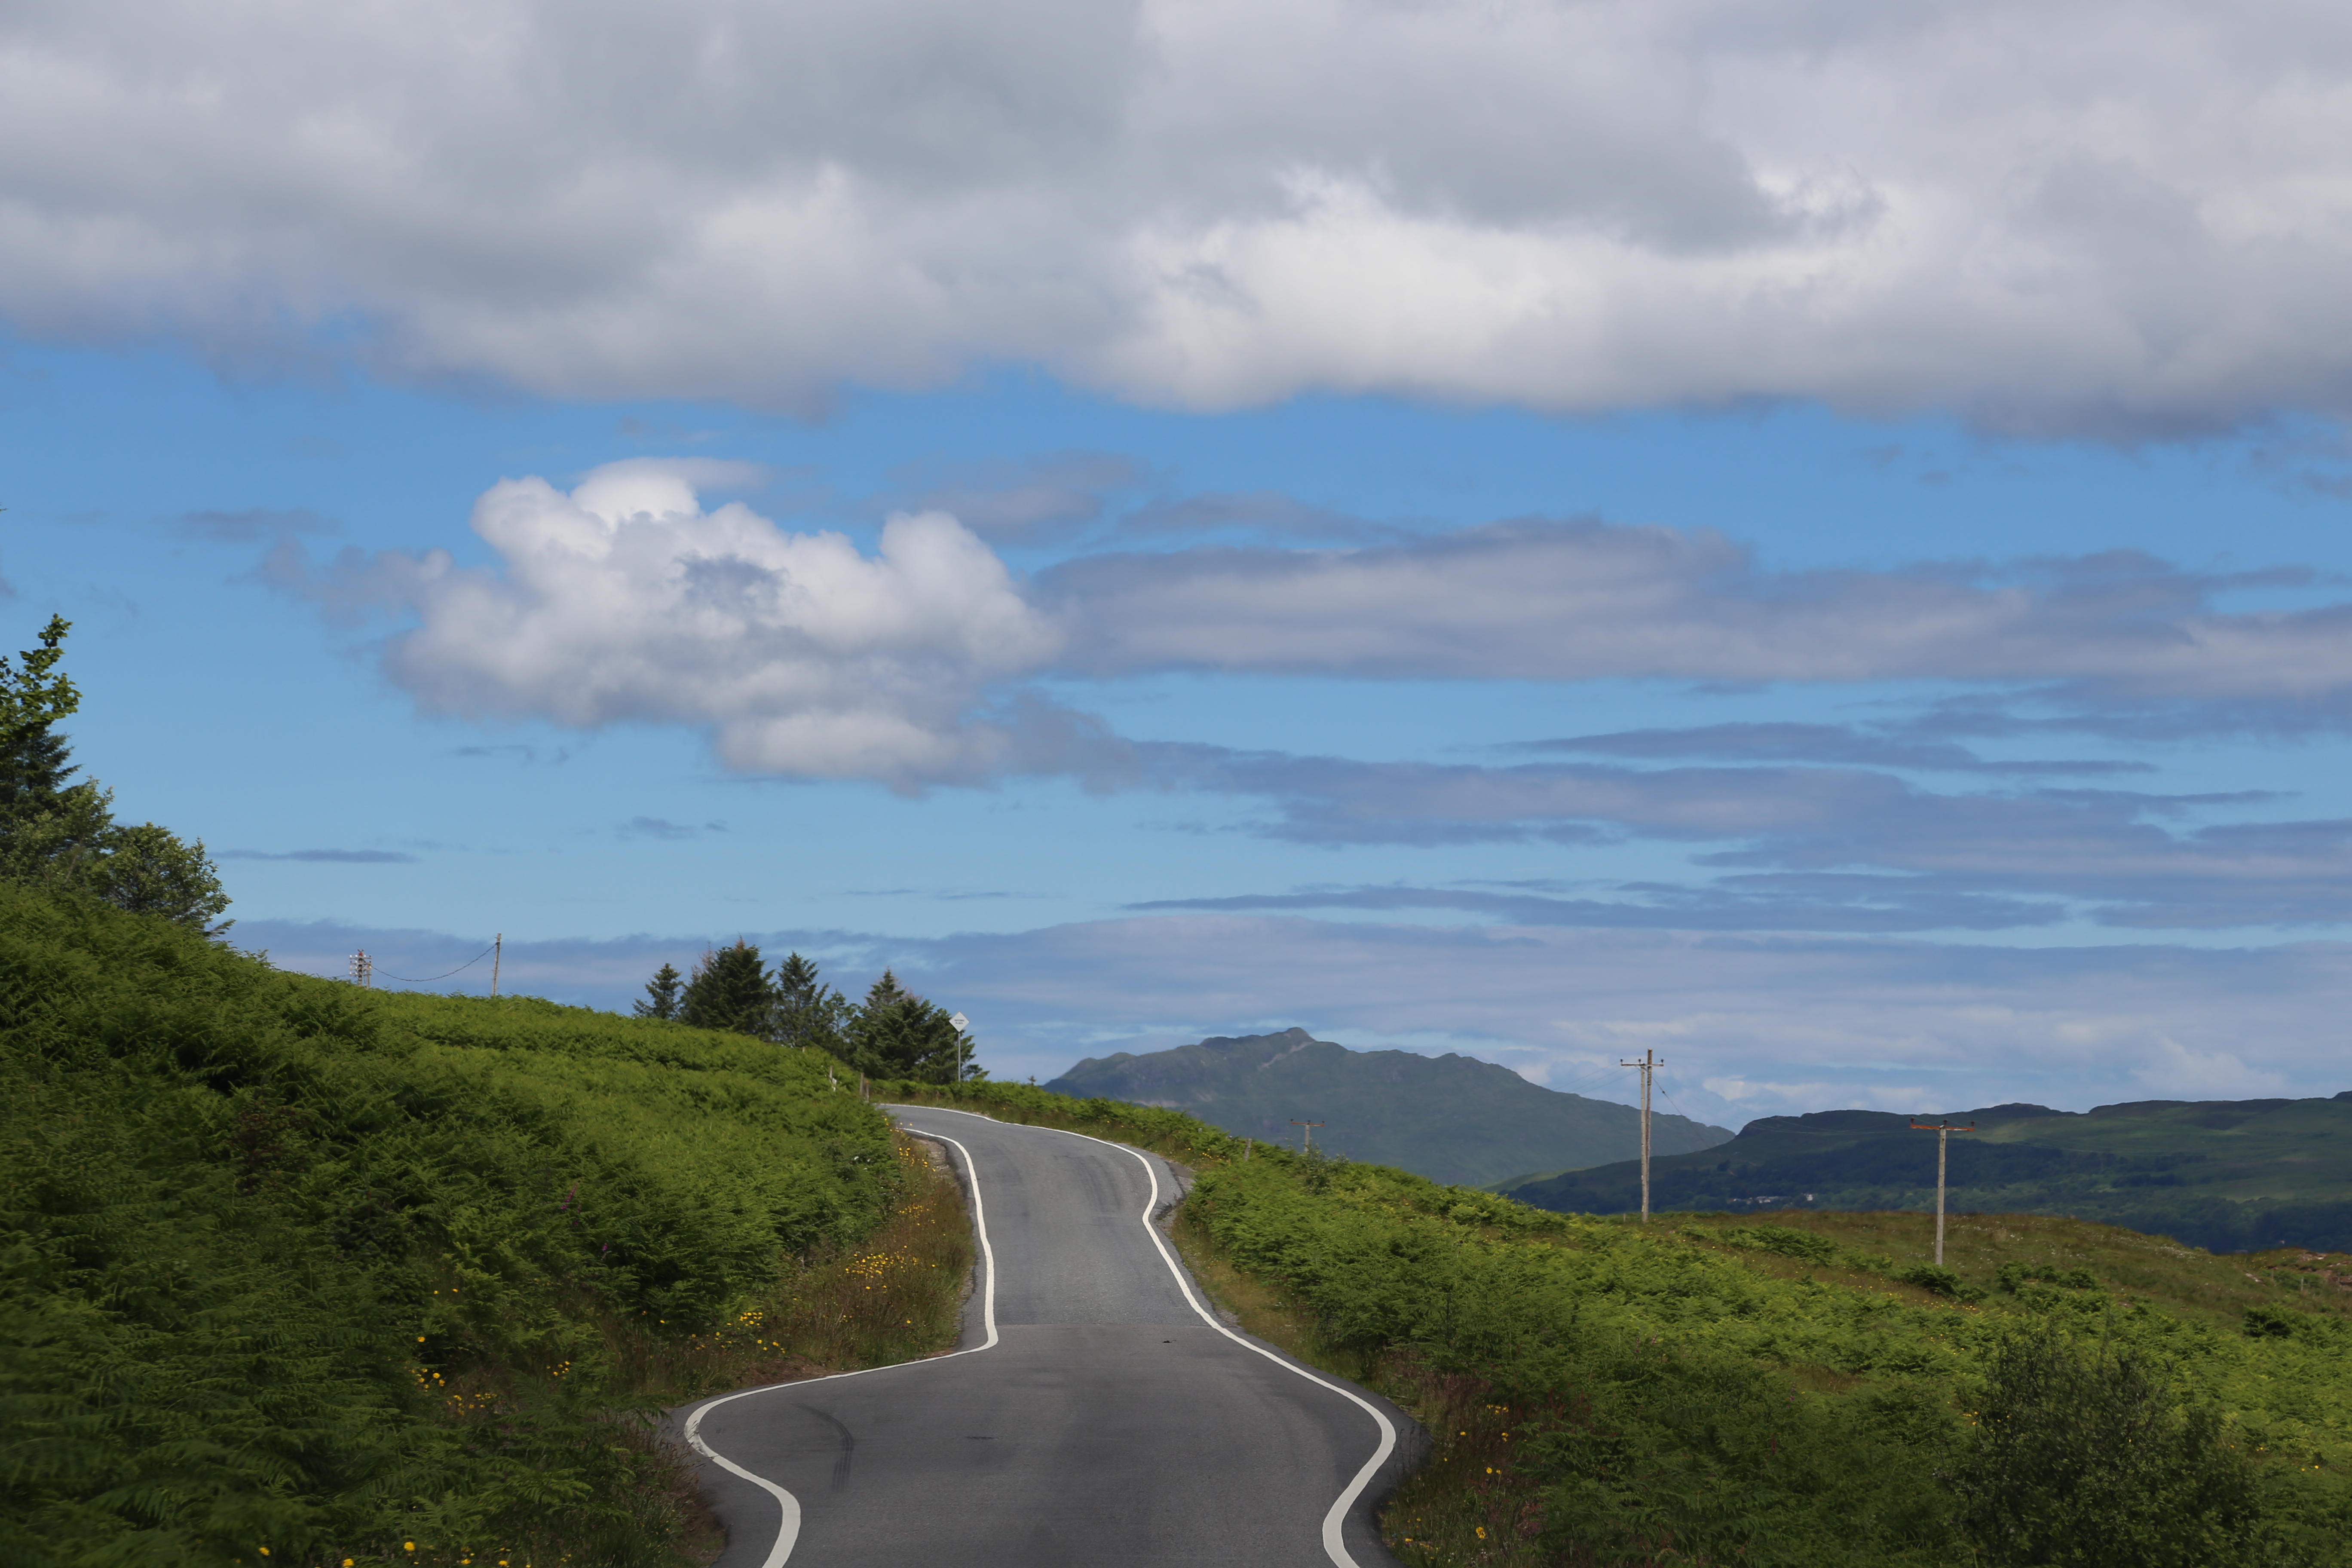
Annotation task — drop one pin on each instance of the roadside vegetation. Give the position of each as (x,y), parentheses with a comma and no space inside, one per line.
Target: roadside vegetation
(1805,1390)
(299,1273)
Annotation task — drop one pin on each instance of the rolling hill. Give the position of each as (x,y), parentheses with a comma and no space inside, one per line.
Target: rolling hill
(1449,1118)
(2224,1174)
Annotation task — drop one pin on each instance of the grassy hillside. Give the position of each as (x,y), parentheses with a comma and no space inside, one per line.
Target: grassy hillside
(299,1273)
(1785,1389)
(1450,1118)
(2226,1174)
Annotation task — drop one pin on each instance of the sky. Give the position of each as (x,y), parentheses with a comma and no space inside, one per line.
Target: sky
(1814,539)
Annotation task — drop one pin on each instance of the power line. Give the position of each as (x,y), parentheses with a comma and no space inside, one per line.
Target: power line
(429,979)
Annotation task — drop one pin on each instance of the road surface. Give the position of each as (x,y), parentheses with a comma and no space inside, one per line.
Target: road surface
(1096,1416)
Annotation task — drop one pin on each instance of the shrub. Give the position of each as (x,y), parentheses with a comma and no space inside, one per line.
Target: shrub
(2085,1457)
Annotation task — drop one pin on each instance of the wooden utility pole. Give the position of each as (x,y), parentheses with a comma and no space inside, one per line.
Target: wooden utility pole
(362,968)
(498,951)
(1648,1064)
(1309,1136)
(1943,1131)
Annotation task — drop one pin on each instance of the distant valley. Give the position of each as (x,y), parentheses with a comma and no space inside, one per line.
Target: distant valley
(2230,1175)
(1449,1118)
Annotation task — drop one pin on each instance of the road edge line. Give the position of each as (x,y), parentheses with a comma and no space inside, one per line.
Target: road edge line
(1335,1544)
(788,1529)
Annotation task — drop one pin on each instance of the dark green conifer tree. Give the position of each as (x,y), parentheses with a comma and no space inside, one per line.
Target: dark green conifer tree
(662,994)
(730,990)
(808,1012)
(64,835)
(897,1033)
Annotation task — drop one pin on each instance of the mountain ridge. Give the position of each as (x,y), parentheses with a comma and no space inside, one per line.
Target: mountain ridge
(2223,1174)
(1451,1118)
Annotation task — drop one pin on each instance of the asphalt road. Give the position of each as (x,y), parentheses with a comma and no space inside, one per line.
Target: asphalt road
(1095,1415)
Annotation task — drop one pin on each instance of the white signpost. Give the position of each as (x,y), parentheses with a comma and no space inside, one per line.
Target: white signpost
(963,1048)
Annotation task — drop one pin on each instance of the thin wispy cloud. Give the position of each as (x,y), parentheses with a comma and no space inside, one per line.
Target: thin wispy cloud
(329,857)
(251,525)
(663,828)
(1840,744)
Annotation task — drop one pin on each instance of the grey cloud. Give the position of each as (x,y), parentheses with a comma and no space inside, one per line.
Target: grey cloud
(1576,208)
(1024,503)
(336,857)
(1793,838)
(1583,599)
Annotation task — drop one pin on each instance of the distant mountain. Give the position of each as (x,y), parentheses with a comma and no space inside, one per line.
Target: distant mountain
(1449,1118)
(2227,1175)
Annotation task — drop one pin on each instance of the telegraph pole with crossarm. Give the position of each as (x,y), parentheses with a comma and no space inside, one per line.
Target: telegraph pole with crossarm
(1648,1064)
(1308,1137)
(1943,1131)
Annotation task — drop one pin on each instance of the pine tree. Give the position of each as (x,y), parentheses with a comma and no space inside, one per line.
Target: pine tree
(34,764)
(662,991)
(730,990)
(808,1013)
(64,836)
(897,1033)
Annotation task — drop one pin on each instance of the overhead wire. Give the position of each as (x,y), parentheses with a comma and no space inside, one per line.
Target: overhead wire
(429,979)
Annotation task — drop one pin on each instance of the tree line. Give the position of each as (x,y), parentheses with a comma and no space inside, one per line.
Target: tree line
(893,1034)
(61,835)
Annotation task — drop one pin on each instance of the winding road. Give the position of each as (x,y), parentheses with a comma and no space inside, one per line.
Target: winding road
(1097,1415)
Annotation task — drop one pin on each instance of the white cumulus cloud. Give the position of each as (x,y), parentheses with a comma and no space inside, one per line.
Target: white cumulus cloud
(626,601)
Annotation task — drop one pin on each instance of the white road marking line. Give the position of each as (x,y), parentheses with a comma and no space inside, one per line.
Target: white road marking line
(788,1530)
(1335,1544)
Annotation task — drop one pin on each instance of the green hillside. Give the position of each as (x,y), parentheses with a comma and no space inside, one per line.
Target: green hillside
(1784,1390)
(2223,1174)
(1450,1118)
(296,1272)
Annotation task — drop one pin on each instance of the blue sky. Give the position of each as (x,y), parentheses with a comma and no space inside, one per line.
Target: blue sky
(1692,558)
